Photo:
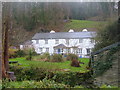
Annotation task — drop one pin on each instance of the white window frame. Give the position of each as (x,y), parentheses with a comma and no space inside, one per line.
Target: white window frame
(89,50)
(56,41)
(37,41)
(67,41)
(79,50)
(47,49)
(40,49)
(80,40)
(46,41)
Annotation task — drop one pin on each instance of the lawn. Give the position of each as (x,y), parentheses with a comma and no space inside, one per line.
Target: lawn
(80,24)
(57,66)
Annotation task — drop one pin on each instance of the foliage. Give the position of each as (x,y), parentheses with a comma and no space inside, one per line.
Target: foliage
(34,84)
(20,53)
(108,86)
(107,35)
(0,84)
(72,78)
(75,63)
(30,53)
(69,78)
(42,57)
(104,61)
(53,65)
(56,58)
(12,53)
(81,24)
(45,56)
(72,57)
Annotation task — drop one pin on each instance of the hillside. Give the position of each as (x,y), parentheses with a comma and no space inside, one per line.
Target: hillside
(17,37)
(26,19)
(79,25)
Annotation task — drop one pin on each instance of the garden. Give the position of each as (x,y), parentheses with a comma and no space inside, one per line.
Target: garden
(49,71)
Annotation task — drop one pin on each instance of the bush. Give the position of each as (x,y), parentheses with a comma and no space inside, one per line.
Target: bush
(30,53)
(20,53)
(72,57)
(12,53)
(37,74)
(56,58)
(75,63)
(46,56)
(34,84)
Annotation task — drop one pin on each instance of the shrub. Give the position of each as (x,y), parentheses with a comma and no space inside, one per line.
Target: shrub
(75,63)
(12,53)
(56,58)
(20,53)
(30,53)
(72,57)
(46,56)
(34,84)
(67,78)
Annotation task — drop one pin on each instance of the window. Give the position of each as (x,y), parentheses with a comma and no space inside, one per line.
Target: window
(79,50)
(37,41)
(47,49)
(88,50)
(92,41)
(80,40)
(46,41)
(55,50)
(57,41)
(67,41)
(40,49)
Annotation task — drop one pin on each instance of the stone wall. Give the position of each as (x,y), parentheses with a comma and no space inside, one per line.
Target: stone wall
(111,76)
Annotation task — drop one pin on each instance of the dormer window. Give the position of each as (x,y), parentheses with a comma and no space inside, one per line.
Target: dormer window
(46,41)
(57,41)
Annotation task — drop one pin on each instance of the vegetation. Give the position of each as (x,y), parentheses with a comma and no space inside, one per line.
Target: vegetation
(79,25)
(53,65)
(32,18)
(104,61)
(66,77)
(72,57)
(12,53)
(107,35)
(57,58)
(34,84)
(20,53)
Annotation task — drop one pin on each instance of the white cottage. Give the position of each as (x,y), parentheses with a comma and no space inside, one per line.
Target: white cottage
(80,43)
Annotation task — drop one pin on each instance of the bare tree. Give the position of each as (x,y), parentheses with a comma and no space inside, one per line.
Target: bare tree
(6,23)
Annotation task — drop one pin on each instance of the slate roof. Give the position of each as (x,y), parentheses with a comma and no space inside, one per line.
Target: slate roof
(28,42)
(64,35)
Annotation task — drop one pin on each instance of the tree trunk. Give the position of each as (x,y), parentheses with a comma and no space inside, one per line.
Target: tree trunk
(5,61)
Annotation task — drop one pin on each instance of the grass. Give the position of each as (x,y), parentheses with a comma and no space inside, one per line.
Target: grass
(80,24)
(58,66)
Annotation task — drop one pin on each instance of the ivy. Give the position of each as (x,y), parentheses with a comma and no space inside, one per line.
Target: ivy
(104,61)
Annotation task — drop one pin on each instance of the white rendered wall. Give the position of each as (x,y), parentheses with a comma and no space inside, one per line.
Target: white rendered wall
(72,42)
